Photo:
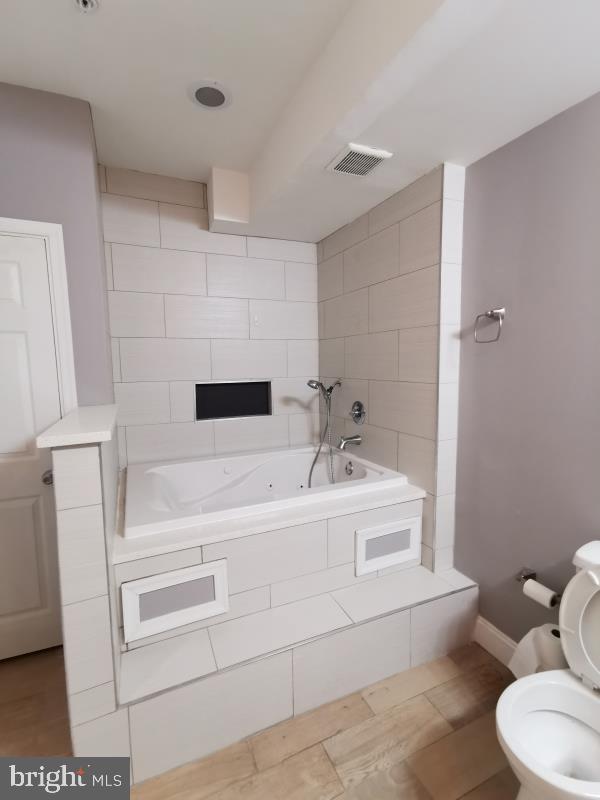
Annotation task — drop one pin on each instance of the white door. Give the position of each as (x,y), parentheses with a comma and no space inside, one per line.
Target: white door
(29,403)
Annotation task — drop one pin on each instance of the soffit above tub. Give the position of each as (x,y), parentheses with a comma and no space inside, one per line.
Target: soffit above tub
(429,80)
(472,77)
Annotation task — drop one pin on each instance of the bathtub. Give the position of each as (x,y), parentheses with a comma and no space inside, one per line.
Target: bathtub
(199,494)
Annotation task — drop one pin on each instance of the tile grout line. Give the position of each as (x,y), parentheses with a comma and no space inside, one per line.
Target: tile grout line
(372,234)
(339,777)
(293,683)
(130,744)
(409,272)
(210,641)
(159,226)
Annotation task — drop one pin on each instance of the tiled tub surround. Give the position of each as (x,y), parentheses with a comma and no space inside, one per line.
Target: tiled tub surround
(198,718)
(301,629)
(288,565)
(284,648)
(389,317)
(187,305)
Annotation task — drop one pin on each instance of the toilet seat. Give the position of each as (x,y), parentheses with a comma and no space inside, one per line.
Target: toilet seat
(548,723)
(579,622)
(549,727)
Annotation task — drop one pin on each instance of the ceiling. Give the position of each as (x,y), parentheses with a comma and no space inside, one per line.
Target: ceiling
(430,80)
(136,60)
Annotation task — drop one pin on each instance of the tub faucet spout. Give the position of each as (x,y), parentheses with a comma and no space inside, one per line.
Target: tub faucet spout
(346,440)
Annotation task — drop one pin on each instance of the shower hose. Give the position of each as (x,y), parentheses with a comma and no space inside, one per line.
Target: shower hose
(326,432)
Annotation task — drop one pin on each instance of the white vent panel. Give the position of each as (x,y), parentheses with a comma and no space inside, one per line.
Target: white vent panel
(162,602)
(387,545)
(358,159)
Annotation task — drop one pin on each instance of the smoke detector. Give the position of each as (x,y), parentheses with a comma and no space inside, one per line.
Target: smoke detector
(87,5)
(358,159)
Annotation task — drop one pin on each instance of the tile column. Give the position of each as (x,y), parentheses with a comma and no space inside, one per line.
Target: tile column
(442,543)
(85,478)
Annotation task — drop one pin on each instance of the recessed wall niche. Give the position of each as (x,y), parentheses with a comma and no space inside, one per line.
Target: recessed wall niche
(233,399)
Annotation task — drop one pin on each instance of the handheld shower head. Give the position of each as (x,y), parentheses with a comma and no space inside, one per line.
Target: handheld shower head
(314,384)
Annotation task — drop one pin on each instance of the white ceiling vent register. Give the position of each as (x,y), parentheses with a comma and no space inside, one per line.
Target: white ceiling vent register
(358,159)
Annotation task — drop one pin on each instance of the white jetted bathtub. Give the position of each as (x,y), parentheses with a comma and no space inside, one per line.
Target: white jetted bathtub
(164,497)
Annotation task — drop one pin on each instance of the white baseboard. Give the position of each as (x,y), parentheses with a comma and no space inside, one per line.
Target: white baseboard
(493,640)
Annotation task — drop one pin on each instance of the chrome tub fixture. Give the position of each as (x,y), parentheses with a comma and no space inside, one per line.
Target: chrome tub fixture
(345,441)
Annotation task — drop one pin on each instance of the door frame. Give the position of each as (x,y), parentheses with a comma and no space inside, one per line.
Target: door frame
(52,235)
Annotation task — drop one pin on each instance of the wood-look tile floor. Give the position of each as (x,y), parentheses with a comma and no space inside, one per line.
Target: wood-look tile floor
(33,705)
(425,734)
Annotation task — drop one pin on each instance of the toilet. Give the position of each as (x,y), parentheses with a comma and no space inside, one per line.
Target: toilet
(549,723)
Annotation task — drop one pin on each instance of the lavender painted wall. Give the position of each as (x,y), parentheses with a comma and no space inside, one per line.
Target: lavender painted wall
(48,173)
(528,489)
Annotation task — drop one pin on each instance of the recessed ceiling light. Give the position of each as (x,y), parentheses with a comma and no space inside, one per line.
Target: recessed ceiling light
(211,95)
(87,5)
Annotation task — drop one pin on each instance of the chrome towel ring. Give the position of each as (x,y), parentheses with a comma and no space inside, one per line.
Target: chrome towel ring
(497,314)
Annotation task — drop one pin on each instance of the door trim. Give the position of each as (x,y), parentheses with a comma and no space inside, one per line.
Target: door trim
(52,234)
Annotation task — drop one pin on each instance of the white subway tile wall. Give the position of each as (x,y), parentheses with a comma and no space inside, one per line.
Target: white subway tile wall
(441,623)
(82,553)
(168,730)
(151,269)
(349,660)
(105,736)
(76,477)
(92,703)
(278,555)
(88,652)
(255,684)
(144,670)
(389,315)
(130,221)
(267,631)
(187,305)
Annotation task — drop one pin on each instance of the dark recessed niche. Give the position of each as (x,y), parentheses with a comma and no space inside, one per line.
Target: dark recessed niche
(223,400)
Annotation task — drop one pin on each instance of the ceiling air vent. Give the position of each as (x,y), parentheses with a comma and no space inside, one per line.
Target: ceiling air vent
(358,159)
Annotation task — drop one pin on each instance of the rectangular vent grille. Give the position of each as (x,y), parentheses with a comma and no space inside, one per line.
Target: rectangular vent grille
(169,600)
(357,164)
(358,160)
(387,545)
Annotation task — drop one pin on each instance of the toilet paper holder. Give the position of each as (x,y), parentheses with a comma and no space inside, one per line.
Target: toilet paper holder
(528,574)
